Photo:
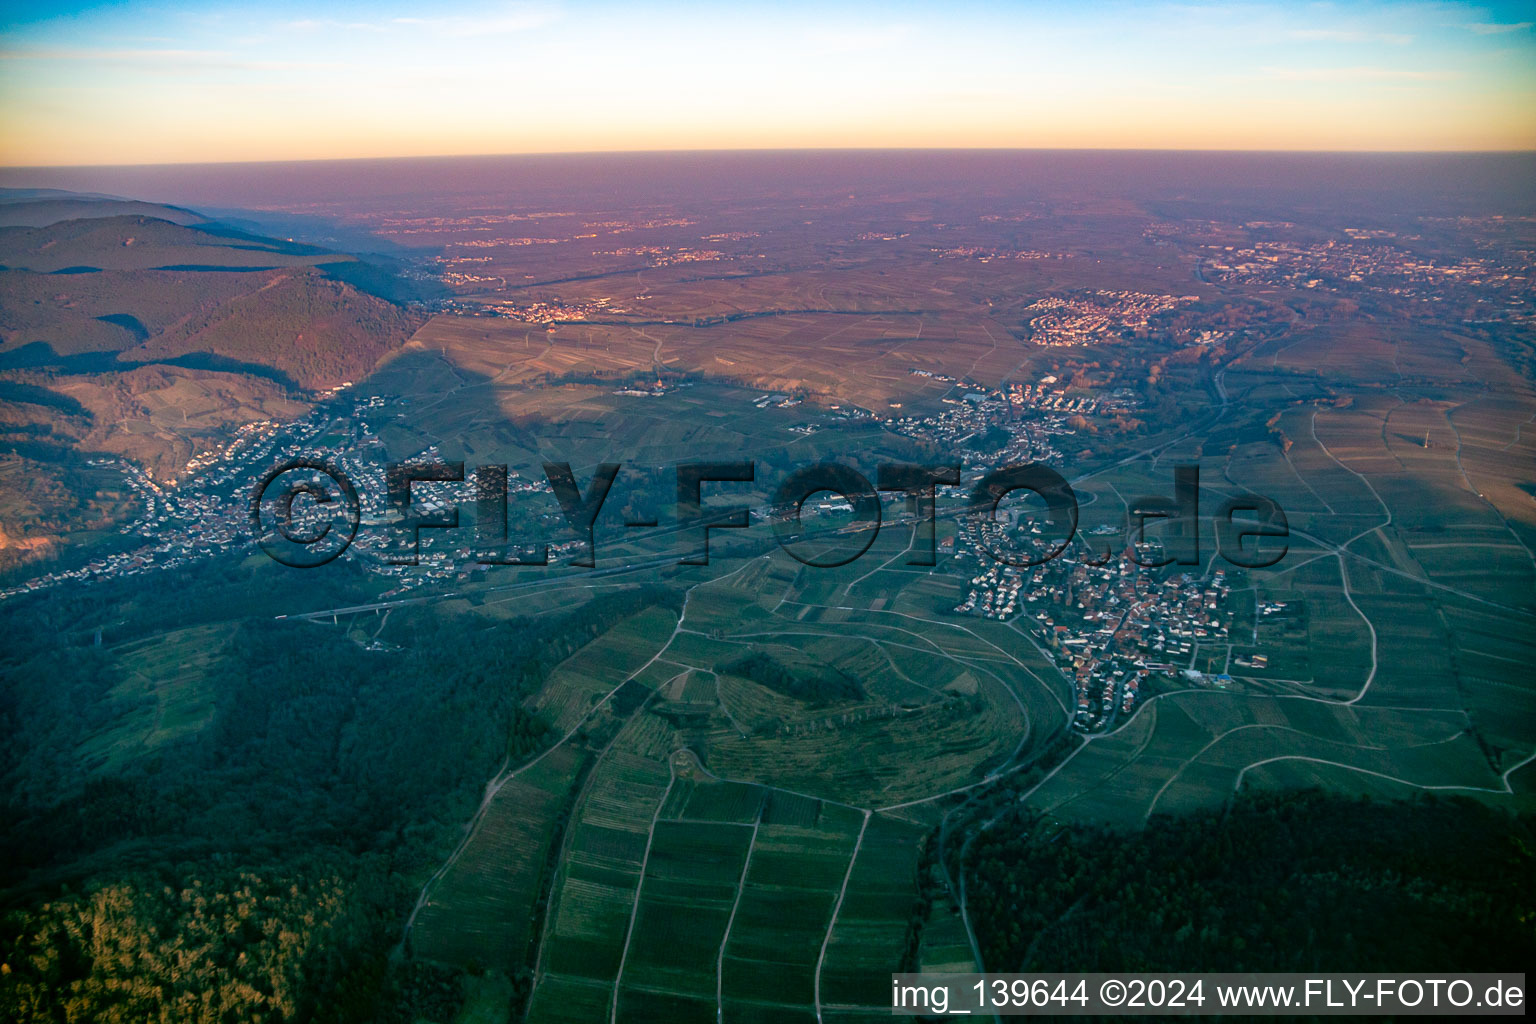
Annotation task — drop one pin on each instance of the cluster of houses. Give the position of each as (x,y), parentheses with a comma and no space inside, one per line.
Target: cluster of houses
(1095,316)
(1046,397)
(549,312)
(199,512)
(966,426)
(986,254)
(1111,627)
(205,510)
(1367,261)
(665,255)
(656,390)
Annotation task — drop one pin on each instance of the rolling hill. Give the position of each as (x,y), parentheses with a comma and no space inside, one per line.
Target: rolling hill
(152,336)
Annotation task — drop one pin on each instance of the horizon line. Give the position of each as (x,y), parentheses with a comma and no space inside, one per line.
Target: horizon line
(760,150)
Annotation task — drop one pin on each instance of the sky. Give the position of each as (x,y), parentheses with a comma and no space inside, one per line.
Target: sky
(177,82)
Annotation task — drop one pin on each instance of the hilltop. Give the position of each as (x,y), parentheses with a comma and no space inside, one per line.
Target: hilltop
(37,207)
(149,332)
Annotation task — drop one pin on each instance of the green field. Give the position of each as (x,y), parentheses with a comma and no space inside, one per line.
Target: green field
(479,912)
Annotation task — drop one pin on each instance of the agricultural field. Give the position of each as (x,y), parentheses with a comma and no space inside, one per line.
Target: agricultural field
(479,911)
(653,786)
(1384,662)
(584,679)
(717,858)
(748,845)
(167,693)
(723,901)
(746,849)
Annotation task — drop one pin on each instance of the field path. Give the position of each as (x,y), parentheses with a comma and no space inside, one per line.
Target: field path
(836,908)
(1339,552)
(1451,419)
(1504,789)
(506,773)
(741,883)
(634,910)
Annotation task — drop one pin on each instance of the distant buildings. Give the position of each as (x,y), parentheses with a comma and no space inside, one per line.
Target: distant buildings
(1090,317)
(1111,628)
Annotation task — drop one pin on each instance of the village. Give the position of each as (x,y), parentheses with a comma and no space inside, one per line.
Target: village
(665,255)
(986,254)
(1096,316)
(1501,292)
(1015,423)
(543,312)
(1113,628)
(205,510)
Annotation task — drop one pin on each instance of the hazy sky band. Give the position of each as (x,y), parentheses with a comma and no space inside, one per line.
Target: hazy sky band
(141,83)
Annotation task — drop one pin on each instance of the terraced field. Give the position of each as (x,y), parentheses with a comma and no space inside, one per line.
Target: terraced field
(739,850)
(479,912)
(721,897)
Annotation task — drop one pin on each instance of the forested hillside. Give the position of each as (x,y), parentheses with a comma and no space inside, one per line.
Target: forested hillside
(249,839)
(1283,882)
